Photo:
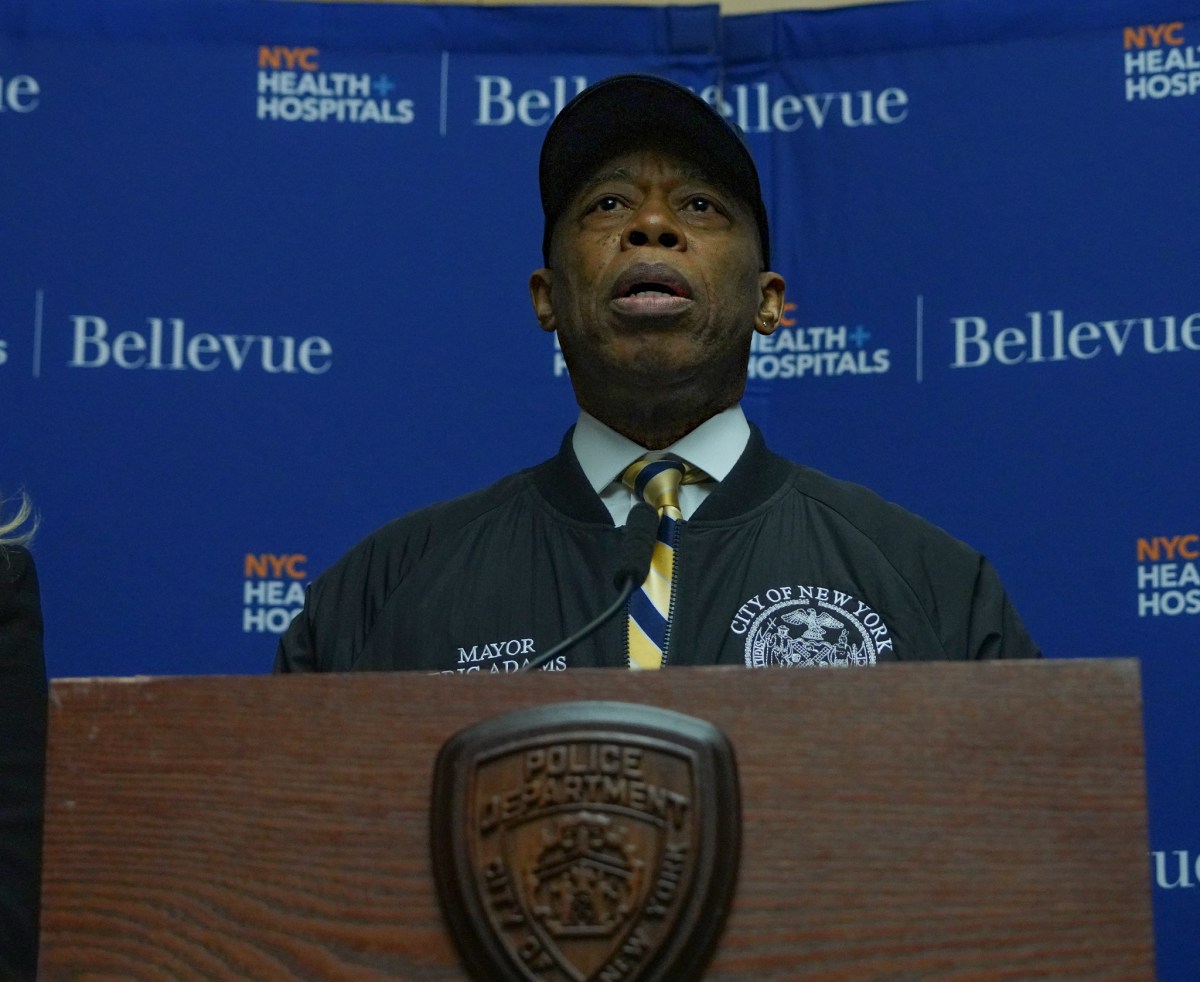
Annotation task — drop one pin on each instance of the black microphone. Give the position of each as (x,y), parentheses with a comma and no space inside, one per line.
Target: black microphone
(633,563)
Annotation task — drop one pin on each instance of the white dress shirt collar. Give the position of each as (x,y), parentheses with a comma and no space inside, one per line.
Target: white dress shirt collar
(714,446)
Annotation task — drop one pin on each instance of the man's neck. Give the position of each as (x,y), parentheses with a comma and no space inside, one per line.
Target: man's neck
(658,427)
(653,437)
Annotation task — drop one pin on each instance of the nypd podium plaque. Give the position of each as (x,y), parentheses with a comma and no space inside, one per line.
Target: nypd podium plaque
(586,841)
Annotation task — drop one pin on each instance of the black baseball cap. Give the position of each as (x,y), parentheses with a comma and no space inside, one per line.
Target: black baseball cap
(630,112)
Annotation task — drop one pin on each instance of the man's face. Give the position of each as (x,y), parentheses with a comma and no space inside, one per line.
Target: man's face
(655,285)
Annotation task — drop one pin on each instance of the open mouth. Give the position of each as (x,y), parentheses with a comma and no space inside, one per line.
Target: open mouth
(651,288)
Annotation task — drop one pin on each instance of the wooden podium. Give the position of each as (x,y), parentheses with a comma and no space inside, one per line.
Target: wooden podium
(905,822)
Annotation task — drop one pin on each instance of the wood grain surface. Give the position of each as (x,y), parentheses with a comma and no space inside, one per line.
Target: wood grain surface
(906,822)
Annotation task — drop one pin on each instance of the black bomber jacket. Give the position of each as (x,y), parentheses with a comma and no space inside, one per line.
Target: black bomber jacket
(781,565)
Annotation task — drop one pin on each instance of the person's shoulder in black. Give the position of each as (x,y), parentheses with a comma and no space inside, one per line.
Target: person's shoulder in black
(22,761)
(341,604)
(957,587)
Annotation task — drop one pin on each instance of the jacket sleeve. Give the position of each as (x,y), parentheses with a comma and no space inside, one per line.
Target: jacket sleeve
(340,605)
(296,651)
(994,628)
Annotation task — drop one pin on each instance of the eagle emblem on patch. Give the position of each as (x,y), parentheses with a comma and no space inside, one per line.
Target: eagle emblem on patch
(804,625)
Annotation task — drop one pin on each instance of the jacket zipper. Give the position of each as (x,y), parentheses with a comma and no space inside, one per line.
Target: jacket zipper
(674,592)
(670,606)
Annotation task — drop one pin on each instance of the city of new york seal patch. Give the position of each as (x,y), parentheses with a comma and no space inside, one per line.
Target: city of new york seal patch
(810,625)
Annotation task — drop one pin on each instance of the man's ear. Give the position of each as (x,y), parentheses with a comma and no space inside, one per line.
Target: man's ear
(770,308)
(540,283)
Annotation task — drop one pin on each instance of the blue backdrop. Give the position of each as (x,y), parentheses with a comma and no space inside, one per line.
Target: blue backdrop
(263,287)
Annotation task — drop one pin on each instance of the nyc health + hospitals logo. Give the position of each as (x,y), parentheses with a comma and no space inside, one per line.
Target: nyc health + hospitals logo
(1168,575)
(295,85)
(1159,62)
(819,351)
(794,352)
(272,590)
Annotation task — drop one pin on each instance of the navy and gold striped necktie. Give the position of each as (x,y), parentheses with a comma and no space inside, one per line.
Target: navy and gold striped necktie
(657,482)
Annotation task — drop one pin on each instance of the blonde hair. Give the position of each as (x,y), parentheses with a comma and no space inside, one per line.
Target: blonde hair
(19,529)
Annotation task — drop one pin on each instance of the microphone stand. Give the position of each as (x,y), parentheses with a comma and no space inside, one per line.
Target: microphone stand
(641,528)
(587,630)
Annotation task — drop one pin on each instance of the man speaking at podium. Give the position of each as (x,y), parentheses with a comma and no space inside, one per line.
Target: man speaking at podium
(657,273)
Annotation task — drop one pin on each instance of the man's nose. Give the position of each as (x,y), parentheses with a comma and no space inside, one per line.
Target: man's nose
(654,223)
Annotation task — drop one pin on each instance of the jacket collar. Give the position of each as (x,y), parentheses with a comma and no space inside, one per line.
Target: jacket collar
(757,475)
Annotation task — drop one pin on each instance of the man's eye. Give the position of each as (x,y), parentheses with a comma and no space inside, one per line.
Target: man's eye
(701,204)
(608,203)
